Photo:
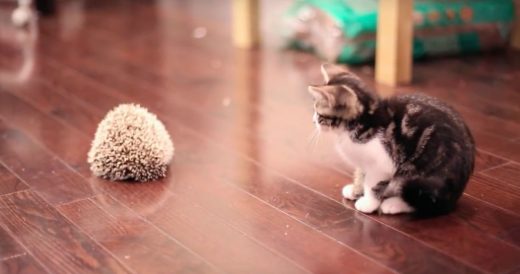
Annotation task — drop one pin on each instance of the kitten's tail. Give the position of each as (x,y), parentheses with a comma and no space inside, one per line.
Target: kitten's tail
(430,196)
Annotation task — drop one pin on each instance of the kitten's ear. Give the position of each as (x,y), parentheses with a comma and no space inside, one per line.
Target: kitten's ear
(319,93)
(331,71)
(316,92)
(348,97)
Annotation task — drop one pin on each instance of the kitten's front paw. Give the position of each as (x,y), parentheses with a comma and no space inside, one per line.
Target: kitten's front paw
(367,205)
(350,193)
(395,205)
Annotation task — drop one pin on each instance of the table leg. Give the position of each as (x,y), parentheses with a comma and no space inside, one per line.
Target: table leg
(394,42)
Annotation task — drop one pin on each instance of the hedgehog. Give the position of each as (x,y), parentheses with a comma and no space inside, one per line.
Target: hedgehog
(130,144)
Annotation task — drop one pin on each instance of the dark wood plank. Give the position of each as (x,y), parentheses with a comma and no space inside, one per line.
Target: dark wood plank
(180,218)
(492,220)
(495,192)
(251,217)
(508,173)
(44,172)
(8,245)
(489,95)
(223,247)
(384,247)
(9,182)
(51,239)
(68,146)
(505,149)
(22,265)
(142,247)
(485,160)
(448,233)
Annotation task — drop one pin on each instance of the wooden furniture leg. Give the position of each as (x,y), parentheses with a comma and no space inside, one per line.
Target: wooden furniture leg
(245,23)
(515,35)
(394,42)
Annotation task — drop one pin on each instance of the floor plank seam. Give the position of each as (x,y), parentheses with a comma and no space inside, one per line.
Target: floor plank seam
(309,226)
(503,157)
(503,182)
(493,205)
(241,232)
(13,256)
(55,207)
(29,252)
(164,233)
(95,241)
(13,192)
(76,200)
(494,167)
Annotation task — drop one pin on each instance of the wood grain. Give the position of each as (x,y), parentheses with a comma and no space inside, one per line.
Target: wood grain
(395,32)
(24,264)
(9,247)
(131,239)
(44,172)
(508,173)
(9,182)
(51,238)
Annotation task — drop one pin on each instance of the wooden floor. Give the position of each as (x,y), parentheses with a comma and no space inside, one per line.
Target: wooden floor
(246,192)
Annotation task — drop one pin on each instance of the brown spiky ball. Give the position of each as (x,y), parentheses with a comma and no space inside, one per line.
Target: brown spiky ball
(130,144)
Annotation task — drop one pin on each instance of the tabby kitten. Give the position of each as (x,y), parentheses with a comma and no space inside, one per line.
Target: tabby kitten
(411,152)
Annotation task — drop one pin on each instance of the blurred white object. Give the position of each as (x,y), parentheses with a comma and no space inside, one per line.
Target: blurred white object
(22,40)
(23,13)
(226,102)
(199,32)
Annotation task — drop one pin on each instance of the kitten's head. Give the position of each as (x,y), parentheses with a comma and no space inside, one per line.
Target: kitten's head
(341,98)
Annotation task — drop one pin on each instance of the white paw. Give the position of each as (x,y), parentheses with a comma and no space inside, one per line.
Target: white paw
(367,205)
(21,16)
(349,193)
(395,205)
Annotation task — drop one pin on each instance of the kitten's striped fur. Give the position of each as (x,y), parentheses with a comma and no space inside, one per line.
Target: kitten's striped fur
(413,151)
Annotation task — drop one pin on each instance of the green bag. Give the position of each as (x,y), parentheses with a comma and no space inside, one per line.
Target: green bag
(345,30)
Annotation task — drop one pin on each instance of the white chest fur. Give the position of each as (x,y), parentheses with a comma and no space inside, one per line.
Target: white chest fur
(371,157)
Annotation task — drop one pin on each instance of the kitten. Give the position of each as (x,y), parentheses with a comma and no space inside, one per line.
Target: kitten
(411,152)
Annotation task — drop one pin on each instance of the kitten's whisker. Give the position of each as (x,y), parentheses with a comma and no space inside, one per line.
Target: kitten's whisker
(312,138)
(313,142)
(317,140)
